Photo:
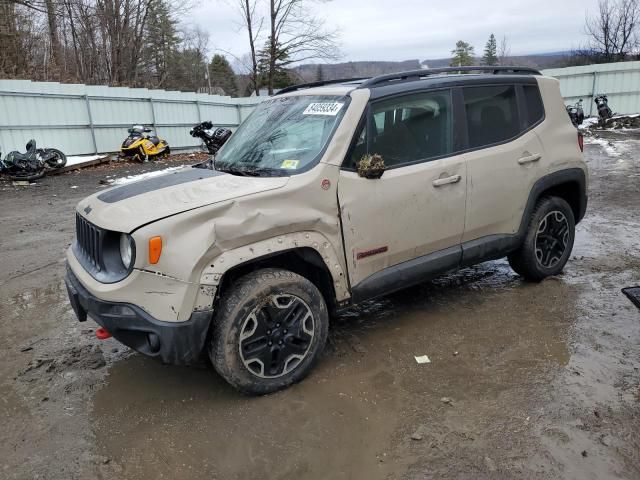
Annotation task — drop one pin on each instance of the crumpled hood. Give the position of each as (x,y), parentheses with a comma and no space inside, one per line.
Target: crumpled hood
(126,207)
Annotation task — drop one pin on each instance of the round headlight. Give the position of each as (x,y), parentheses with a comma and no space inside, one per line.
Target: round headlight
(126,251)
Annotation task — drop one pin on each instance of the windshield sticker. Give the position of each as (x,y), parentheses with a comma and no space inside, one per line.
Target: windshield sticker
(325,108)
(290,164)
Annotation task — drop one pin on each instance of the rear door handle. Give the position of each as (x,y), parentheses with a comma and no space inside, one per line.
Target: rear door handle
(529,159)
(446,181)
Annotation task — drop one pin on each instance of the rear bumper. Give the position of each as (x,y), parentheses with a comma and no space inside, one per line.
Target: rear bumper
(178,343)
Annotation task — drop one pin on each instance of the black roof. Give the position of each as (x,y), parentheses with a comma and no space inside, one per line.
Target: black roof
(429,77)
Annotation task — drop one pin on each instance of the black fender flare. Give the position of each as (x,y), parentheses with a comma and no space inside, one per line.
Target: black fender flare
(546,183)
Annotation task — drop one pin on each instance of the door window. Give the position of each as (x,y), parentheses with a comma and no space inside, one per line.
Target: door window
(492,114)
(407,129)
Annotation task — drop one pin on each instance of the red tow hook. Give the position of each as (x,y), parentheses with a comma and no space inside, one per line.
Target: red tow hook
(102,334)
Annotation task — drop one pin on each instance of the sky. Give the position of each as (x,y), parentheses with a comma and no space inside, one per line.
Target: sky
(419,29)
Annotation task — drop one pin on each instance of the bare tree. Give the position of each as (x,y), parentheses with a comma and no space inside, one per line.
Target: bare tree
(296,35)
(614,30)
(504,51)
(253,23)
(52,20)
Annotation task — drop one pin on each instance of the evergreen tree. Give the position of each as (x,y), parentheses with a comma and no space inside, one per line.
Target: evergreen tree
(222,75)
(490,56)
(281,76)
(161,42)
(319,74)
(190,71)
(462,55)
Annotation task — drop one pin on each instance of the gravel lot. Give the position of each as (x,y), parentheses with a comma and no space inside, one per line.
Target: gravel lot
(526,380)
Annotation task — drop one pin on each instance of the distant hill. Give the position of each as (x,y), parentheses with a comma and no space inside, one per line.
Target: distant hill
(333,71)
(538,60)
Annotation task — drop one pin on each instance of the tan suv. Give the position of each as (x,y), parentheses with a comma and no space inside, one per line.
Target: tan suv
(327,195)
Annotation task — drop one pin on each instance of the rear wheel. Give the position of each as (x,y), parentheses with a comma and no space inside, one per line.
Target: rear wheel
(269,331)
(548,241)
(26,176)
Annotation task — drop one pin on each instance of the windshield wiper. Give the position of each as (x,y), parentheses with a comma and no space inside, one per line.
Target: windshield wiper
(232,170)
(252,171)
(266,172)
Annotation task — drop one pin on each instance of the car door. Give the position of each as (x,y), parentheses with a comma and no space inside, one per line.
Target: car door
(505,161)
(412,217)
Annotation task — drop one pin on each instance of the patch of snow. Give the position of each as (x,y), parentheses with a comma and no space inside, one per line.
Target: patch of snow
(77,160)
(143,176)
(588,122)
(635,115)
(606,145)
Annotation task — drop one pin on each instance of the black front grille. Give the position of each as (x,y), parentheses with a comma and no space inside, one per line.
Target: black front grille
(89,240)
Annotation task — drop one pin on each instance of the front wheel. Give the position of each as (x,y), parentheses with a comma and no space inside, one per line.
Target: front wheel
(55,158)
(269,331)
(548,241)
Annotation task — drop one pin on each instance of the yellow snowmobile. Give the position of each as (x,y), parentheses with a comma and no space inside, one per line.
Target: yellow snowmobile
(142,147)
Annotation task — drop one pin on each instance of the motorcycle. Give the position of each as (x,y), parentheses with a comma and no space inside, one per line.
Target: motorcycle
(32,164)
(142,147)
(576,113)
(213,140)
(604,112)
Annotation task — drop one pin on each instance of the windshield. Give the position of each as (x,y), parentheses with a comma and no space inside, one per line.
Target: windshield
(282,135)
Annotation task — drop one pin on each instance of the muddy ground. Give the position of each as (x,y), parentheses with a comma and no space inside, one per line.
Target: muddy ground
(526,380)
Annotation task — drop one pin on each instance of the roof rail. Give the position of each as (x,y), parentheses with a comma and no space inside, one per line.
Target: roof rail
(293,88)
(418,74)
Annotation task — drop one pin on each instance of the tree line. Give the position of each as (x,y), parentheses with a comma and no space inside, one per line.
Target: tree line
(612,32)
(141,43)
(136,43)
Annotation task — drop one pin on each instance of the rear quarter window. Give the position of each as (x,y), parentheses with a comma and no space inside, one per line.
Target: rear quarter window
(533,102)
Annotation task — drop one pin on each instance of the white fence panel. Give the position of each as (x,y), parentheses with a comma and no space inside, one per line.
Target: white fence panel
(619,81)
(85,119)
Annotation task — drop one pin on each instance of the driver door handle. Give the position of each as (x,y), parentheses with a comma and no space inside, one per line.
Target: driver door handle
(446,181)
(529,159)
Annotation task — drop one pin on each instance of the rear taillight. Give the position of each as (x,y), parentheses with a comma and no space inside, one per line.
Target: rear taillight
(581,141)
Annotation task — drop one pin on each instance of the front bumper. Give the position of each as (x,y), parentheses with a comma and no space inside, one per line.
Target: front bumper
(178,343)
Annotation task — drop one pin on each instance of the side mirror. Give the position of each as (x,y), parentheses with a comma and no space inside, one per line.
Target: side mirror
(371,166)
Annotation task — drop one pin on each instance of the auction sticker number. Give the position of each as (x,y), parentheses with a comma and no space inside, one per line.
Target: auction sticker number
(325,108)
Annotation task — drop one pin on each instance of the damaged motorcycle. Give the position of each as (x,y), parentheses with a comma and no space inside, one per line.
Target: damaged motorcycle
(32,164)
(213,139)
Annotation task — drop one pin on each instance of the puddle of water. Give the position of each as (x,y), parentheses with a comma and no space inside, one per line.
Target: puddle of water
(352,417)
(32,311)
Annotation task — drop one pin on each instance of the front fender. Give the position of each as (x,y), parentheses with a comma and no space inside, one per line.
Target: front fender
(213,272)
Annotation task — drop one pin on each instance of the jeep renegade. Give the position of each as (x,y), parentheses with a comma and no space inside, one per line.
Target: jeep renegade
(327,195)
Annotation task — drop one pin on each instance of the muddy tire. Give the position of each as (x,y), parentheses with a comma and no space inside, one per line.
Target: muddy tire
(548,241)
(269,331)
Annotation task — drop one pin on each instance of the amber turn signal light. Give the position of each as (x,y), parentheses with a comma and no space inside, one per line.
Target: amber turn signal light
(155,249)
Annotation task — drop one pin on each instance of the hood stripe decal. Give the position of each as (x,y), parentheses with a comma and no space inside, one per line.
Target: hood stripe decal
(164,181)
